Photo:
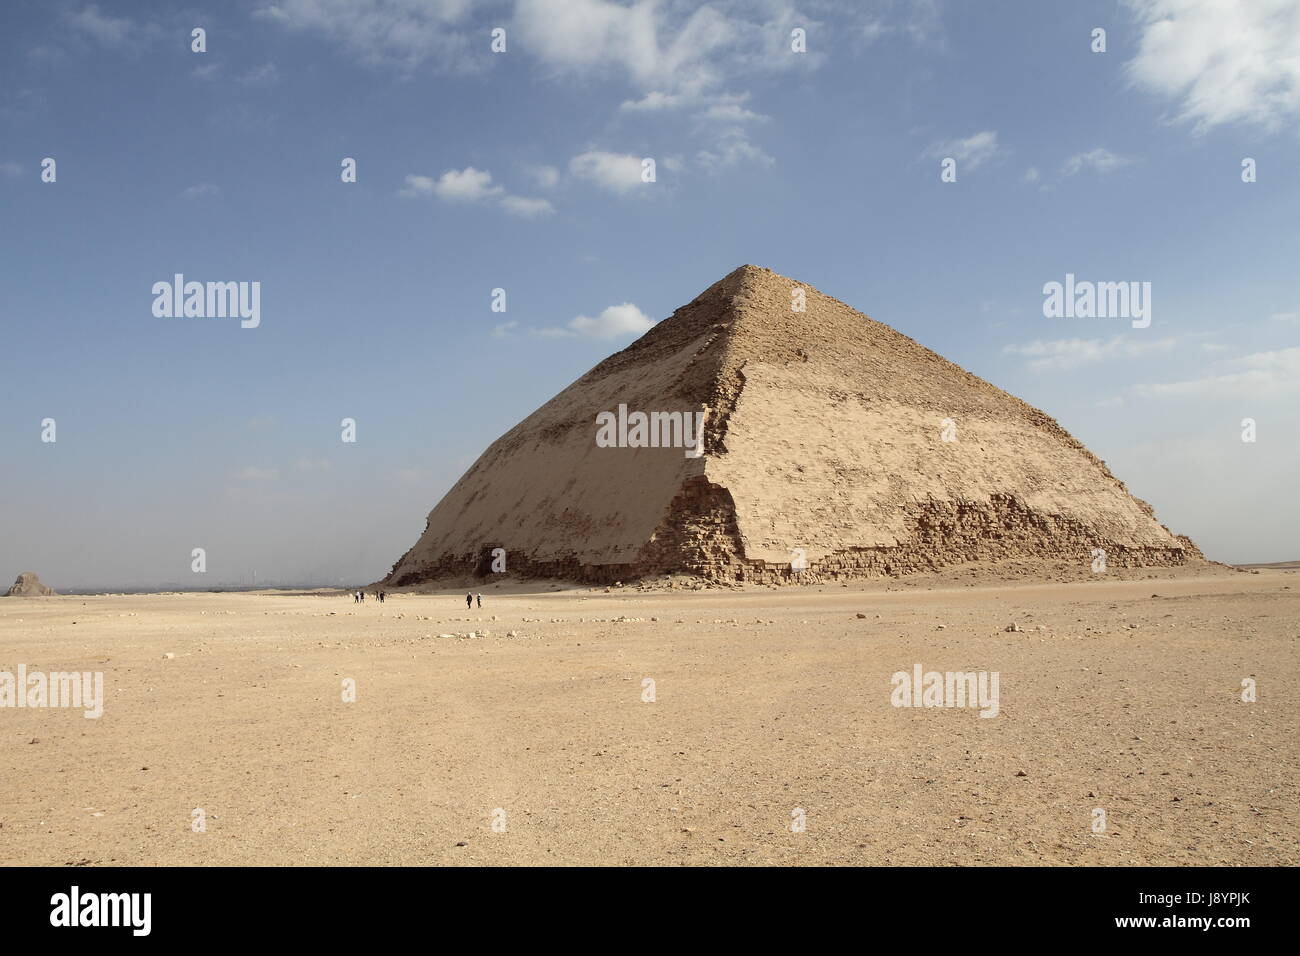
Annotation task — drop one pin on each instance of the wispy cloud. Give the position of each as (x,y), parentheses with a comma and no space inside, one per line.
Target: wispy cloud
(403,34)
(1220,62)
(1062,354)
(678,57)
(106,29)
(722,119)
(265,75)
(1097,160)
(470,185)
(920,21)
(1262,375)
(669,48)
(972,152)
(732,147)
(201,191)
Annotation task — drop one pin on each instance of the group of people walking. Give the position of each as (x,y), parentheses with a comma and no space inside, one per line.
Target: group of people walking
(359,597)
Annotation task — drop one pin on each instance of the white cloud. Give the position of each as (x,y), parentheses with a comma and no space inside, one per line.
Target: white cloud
(721,116)
(733,147)
(1285,316)
(918,20)
(526,208)
(1031,175)
(653,102)
(972,152)
(728,109)
(264,75)
(310,464)
(677,55)
(1060,354)
(201,191)
(614,322)
(1098,160)
(108,30)
(667,47)
(417,186)
(617,172)
(400,33)
(470,185)
(504,330)
(1221,62)
(1262,375)
(466,185)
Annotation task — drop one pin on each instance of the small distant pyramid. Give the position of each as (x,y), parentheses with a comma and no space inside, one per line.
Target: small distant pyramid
(28,584)
(831,443)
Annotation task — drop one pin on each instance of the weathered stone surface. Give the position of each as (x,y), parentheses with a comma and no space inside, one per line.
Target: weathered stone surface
(28,585)
(824,438)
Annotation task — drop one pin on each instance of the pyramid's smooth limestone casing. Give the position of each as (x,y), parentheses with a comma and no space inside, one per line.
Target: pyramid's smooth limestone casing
(823,434)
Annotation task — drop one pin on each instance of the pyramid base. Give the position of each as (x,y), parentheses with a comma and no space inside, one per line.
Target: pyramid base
(699,540)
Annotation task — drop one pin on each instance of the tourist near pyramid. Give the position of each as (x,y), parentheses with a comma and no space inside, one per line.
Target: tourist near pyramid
(833,447)
(28,585)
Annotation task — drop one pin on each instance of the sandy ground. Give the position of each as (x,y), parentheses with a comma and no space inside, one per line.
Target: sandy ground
(750,722)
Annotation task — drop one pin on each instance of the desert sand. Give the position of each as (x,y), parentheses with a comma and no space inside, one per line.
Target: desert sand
(766,702)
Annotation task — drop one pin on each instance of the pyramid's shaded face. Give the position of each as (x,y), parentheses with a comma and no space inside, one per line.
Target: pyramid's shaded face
(829,441)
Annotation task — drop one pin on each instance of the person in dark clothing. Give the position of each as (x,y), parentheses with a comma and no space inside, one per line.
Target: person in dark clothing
(469,601)
(480,599)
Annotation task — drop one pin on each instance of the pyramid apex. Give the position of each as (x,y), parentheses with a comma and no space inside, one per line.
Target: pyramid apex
(749,271)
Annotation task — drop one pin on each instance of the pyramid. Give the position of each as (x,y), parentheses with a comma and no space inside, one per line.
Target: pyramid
(28,584)
(833,447)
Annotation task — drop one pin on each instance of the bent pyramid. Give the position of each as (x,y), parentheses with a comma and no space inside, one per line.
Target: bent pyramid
(824,444)
(28,584)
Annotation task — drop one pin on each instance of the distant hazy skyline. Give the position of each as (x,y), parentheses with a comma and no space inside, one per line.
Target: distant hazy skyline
(521,171)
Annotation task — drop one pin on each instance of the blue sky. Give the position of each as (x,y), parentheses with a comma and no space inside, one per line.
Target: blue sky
(520,170)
